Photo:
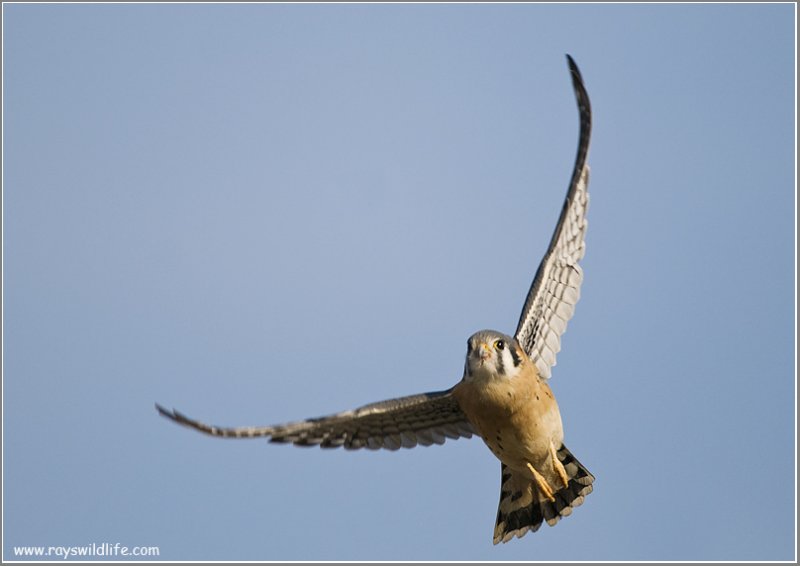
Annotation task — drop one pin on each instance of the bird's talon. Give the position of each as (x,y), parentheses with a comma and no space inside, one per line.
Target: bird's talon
(541,483)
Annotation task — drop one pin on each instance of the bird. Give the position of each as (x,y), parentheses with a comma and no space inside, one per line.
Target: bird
(503,396)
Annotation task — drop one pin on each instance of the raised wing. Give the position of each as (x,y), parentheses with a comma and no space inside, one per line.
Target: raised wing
(556,288)
(427,418)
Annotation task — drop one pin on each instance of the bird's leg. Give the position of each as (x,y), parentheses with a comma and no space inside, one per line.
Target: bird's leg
(559,467)
(541,483)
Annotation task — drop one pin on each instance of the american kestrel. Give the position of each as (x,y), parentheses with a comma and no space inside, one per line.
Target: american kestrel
(503,396)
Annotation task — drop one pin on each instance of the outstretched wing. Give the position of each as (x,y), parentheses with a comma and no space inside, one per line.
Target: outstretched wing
(427,418)
(556,288)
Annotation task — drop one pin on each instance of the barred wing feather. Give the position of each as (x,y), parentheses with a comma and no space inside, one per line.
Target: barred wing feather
(424,419)
(556,287)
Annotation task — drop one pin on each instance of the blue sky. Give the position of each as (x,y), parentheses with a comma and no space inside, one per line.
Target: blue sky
(260,213)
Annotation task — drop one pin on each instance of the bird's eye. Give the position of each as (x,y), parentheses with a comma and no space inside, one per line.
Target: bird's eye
(499,344)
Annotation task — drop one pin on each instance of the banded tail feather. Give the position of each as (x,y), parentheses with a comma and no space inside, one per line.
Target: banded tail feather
(523,509)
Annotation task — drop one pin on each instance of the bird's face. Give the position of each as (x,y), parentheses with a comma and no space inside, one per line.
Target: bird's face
(492,355)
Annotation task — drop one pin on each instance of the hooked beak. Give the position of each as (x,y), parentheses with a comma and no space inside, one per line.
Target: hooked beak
(484,352)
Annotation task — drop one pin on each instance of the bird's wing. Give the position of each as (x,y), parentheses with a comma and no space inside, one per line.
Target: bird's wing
(556,288)
(427,418)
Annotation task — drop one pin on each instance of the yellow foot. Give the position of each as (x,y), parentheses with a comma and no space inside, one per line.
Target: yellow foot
(562,473)
(541,483)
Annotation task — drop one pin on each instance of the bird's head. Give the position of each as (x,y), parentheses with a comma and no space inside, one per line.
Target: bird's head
(492,355)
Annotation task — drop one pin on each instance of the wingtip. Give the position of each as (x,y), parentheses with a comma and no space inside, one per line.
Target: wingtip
(172,415)
(580,90)
(573,68)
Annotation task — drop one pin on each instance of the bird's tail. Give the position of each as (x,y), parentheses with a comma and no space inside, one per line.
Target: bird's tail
(523,507)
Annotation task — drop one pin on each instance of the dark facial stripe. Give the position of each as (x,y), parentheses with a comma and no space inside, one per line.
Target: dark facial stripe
(515,355)
(500,366)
